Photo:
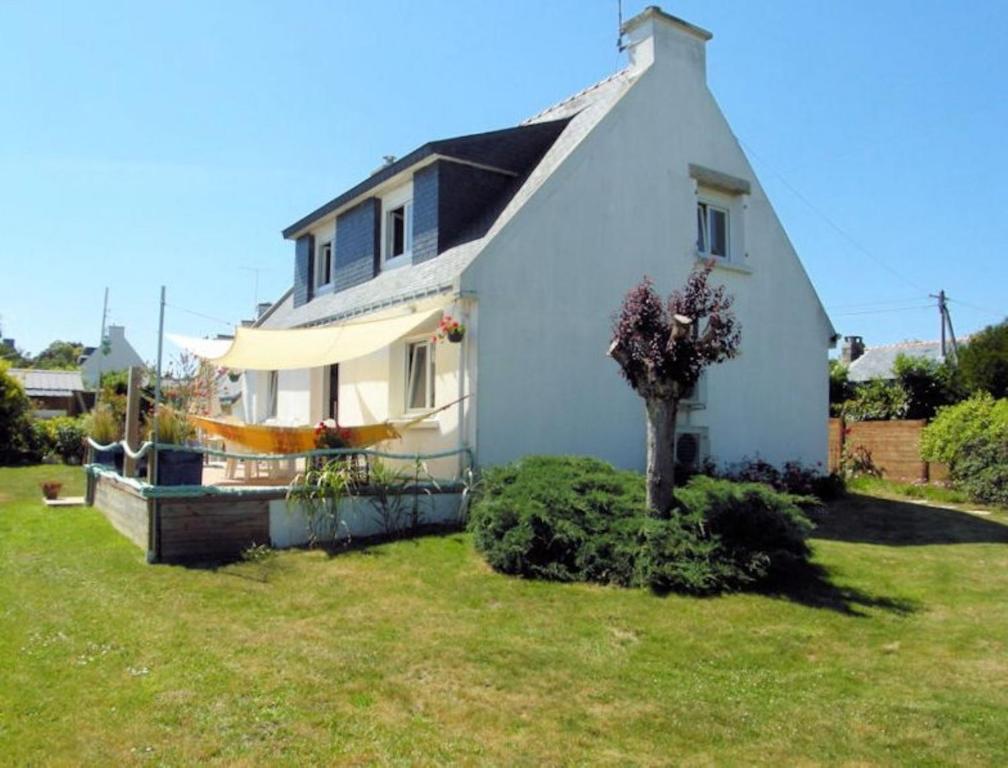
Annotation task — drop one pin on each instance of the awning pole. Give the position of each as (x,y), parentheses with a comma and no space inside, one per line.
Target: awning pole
(461,391)
(157,388)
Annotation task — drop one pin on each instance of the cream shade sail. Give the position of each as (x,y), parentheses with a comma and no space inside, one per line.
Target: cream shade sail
(263,349)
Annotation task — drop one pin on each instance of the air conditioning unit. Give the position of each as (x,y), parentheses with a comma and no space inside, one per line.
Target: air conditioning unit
(692,448)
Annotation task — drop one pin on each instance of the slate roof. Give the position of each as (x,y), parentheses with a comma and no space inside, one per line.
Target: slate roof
(510,149)
(45,383)
(877,362)
(582,112)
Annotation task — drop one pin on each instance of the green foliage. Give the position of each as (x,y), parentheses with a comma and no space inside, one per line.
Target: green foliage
(63,436)
(972,438)
(840,388)
(578,519)
(876,400)
(927,384)
(17,437)
(981,472)
(173,425)
(945,439)
(984,361)
(59,355)
(318,491)
(103,424)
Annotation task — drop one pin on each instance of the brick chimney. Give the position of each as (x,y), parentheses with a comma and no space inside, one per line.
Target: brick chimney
(659,38)
(852,349)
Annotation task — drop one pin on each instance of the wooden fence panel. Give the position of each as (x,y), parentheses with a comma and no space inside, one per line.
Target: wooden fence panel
(894,447)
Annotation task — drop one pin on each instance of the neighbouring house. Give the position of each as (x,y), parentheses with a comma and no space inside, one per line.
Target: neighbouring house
(867,363)
(531,236)
(116,354)
(53,392)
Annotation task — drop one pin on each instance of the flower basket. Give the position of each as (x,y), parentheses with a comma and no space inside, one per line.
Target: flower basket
(51,489)
(449,328)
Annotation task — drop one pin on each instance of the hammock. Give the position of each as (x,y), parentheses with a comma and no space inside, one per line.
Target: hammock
(262,438)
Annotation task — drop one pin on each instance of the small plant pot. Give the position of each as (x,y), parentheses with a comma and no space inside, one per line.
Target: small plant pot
(455,336)
(232,377)
(179,468)
(51,490)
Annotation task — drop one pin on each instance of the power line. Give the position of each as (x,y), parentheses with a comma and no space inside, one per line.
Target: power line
(840,230)
(879,303)
(989,311)
(883,311)
(228,323)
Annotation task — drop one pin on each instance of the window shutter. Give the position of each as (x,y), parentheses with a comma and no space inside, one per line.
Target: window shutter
(304,250)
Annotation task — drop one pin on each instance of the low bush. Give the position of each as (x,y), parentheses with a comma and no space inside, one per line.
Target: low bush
(972,438)
(67,435)
(579,519)
(794,477)
(18,440)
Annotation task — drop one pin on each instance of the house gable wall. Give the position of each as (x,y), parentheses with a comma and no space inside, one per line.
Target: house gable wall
(621,206)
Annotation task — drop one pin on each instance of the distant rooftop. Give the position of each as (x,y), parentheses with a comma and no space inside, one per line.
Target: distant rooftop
(877,362)
(46,383)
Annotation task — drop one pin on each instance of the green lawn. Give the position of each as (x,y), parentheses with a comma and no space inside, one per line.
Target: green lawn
(416,653)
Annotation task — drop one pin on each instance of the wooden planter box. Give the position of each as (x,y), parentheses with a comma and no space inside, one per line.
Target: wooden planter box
(179,468)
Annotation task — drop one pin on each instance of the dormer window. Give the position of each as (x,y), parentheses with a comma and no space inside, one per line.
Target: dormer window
(323,264)
(398,231)
(397,227)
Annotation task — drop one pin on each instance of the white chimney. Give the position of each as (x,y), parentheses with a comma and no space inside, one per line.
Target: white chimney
(656,37)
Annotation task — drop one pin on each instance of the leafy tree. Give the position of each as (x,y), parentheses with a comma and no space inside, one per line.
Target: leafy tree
(16,433)
(927,385)
(840,387)
(661,350)
(11,354)
(984,361)
(876,400)
(59,354)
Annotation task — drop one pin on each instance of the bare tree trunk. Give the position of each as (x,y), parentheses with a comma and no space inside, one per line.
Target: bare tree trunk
(661,423)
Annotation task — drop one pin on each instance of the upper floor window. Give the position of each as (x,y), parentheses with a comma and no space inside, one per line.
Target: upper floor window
(713,231)
(419,375)
(397,226)
(323,264)
(399,231)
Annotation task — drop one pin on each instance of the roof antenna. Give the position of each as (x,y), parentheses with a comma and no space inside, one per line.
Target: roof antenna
(619,30)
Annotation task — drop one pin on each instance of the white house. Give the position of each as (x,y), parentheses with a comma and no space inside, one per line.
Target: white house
(115,354)
(531,236)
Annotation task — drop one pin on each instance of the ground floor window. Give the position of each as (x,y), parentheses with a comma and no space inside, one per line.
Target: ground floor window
(419,375)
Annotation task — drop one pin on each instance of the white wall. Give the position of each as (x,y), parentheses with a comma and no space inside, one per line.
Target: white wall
(621,206)
(120,357)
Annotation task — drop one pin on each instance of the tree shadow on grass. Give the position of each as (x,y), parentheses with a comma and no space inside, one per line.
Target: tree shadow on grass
(810,585)
(871,520)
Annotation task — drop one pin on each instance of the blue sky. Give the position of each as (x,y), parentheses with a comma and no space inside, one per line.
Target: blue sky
(147,143)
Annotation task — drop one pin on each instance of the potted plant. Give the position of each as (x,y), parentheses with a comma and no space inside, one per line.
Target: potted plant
(451,329)
(175,467)
(51,489)
(104,428)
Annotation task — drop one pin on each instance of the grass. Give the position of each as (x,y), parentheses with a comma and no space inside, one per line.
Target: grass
(894,652)
(891,489)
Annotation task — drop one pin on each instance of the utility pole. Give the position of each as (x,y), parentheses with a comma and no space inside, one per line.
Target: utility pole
(946,323)
(100,351)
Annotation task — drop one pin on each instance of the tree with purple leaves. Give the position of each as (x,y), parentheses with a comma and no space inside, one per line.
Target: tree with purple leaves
(662,349)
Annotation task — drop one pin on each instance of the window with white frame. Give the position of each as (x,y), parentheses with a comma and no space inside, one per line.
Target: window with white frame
(323,264)
(713,230)
(419,375)
(272,394)
(399,231)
